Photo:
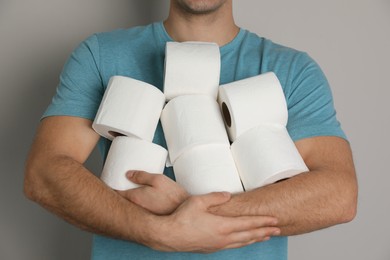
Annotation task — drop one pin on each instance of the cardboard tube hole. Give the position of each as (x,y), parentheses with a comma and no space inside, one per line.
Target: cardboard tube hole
(226,115)
(115,134)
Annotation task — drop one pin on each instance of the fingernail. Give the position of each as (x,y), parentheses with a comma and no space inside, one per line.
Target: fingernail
(276,232)
(130,174)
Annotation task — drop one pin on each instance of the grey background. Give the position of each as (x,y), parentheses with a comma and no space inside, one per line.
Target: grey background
(350,39)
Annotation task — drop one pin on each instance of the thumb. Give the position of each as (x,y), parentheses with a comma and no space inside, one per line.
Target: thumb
(215,198)
(140,177)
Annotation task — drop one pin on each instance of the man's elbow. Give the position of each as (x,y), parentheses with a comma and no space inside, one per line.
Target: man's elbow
(350,205)
(32,186)
(28,185)
(349,214)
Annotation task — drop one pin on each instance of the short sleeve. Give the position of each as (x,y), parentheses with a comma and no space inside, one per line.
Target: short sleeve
(310,103)
(80,88)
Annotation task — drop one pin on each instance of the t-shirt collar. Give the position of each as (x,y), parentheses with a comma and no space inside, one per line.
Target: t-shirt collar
(164,37)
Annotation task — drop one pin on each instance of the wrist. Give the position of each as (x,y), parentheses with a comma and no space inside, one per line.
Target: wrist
(154,233)
(138,223)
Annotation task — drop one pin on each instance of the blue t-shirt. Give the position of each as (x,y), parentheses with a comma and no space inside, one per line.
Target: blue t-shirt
(139,53)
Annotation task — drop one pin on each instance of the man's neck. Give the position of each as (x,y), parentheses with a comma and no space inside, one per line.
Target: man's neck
(218,26)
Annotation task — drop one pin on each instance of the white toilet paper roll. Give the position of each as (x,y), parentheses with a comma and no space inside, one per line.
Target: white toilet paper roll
(129,107)
(207,168)
(191,68)
(266,154)
(250,102)
(130,153)
(192,120)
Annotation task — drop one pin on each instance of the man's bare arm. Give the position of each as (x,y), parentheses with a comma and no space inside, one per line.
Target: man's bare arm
(56,178)
(322,197)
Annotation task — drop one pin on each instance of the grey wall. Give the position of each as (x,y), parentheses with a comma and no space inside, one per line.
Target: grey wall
(350,39)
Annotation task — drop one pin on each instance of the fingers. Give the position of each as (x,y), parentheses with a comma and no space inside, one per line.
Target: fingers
(209,232)
(237,224)
(212,199)
(239,239)
(246,230)
(259,234)
(143,178)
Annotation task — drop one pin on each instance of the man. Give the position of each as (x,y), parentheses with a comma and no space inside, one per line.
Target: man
(161,219)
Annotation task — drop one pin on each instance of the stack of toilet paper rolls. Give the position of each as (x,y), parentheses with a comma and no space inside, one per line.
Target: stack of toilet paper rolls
(255,114)
(231,137)
(198,145)
(128,115)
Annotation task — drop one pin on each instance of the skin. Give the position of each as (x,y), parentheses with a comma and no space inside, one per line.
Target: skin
(56,178)
(196,7)
(323,197)
(214,24)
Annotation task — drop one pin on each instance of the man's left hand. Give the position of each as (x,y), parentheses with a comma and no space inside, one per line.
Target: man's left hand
(159,194)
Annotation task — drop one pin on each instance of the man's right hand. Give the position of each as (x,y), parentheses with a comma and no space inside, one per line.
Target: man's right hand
(191,228)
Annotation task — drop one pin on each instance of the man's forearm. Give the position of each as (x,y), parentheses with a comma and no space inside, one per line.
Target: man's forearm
(325,196)
(301,204)
(69,190)
(77,196)
(56,178)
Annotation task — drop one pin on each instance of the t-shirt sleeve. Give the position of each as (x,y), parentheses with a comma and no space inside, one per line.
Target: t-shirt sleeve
(80,88)
(310,103)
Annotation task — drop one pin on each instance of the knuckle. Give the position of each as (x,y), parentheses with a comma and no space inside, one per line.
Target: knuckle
(157,179)
(220,230)
(223,228)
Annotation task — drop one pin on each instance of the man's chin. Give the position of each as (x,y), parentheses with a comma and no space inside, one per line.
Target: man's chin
(200,7)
